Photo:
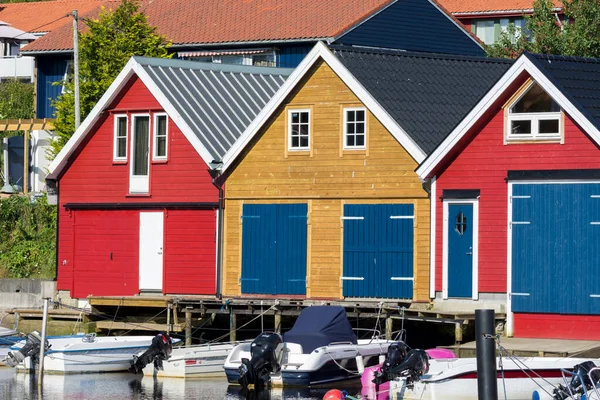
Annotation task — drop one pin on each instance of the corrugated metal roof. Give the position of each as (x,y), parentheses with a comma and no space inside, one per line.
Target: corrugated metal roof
(217,101)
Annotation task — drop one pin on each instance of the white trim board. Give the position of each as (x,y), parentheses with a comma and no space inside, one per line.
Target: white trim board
(475,276)
(432,234)
(321,51)
(523,64)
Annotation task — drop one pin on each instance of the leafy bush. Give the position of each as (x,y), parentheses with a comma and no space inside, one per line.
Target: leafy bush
(27,238)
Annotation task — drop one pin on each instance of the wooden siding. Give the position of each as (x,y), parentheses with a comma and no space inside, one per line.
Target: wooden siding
(325,178)
(93,177)
(407,25)
(190,252)
(557,326)
(483,164)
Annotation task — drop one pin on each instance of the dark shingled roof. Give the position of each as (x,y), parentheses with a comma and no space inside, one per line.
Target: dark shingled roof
(578,79)
(427,94)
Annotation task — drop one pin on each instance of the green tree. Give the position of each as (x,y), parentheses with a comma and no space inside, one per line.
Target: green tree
(576,34)
(110,41)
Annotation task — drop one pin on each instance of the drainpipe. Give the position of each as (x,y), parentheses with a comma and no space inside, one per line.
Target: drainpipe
(218,183)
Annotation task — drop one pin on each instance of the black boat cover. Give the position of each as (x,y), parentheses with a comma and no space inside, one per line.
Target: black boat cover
(319,326)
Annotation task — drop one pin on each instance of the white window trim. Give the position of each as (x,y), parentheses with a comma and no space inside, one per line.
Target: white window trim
(535,118)
(364,146)
(475,285)
(115,141)
(135,187)
(155,156)
(289,128)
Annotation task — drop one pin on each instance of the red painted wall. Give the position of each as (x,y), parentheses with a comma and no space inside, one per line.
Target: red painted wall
(557,326)
(483,164)
(92,177)
(190,252)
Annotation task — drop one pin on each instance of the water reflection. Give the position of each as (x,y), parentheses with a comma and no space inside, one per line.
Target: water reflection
(126,386)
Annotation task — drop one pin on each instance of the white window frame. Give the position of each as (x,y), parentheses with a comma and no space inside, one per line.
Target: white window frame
(535,119)
(289,128)
(155,156)
(355,147)
(116,157)
(138,184)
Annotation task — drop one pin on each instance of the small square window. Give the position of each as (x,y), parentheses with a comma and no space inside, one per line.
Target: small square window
(299,130)
(354,128)
(120,141)
(160,137)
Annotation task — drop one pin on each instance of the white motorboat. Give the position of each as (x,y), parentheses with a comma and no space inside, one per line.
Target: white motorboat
(78,353)
(201,361)
(320,348)
(454,379)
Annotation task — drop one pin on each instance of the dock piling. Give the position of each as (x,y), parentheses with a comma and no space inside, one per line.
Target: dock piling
(487,385)
(232,326)
(389,327)
(188,326)
(278,321)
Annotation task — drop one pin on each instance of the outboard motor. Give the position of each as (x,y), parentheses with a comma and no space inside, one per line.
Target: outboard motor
(31,349)
(264,351)
(396,354)
(160,349)
(580,382)
(414,365)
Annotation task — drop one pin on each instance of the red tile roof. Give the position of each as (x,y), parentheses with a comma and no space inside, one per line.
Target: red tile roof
(43,16)
(487,6)
(238,21)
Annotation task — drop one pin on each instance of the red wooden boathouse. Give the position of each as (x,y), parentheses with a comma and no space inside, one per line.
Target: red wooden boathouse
(138,210)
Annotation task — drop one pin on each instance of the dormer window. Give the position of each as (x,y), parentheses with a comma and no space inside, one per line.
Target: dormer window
(534,115)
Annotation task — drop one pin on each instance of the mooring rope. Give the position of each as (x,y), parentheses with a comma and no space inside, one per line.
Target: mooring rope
(519,363)
(246,324)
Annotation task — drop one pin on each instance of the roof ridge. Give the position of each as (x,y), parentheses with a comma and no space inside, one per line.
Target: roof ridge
(416,54)
(593,60)
(199,65)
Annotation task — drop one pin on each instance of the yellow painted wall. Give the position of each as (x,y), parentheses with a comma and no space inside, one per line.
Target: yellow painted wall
(326,177)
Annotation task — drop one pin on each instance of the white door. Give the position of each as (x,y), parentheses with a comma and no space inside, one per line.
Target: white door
(151,251)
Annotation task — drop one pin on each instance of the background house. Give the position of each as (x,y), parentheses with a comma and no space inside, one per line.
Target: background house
(516,191)
(487,19)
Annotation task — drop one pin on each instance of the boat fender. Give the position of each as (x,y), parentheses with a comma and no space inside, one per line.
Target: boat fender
(334,394)
(360,364)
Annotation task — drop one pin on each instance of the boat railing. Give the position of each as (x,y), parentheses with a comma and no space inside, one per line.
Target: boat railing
(569,375)
(594,382)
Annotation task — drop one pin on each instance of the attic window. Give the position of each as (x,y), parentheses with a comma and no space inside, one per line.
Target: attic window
(120,140)
(534,115)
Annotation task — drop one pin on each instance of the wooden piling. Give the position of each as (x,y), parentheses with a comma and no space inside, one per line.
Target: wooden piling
(232,326)
(278,322)
(188,326)
(389,328)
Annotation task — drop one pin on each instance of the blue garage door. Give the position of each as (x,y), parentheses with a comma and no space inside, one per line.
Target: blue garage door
(274,248)
(378,250)
(555,243)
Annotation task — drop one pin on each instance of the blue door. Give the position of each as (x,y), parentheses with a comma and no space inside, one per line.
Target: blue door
(555,237)
(460,250)
(274,248)
(378,250)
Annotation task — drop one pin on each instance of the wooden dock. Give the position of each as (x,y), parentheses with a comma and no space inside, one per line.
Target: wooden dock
(524,347)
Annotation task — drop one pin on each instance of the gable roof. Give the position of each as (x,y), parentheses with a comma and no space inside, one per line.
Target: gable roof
(474,7)
(417,97)
(427,94)
(219,22)
(45,16)
(211,104)
(573,82)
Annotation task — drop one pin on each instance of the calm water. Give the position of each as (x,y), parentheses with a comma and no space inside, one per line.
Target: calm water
(127,386)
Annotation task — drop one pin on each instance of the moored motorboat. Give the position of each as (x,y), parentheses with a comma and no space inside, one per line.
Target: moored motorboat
(451,379)
(78,353)
(201,361)
(320,348)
